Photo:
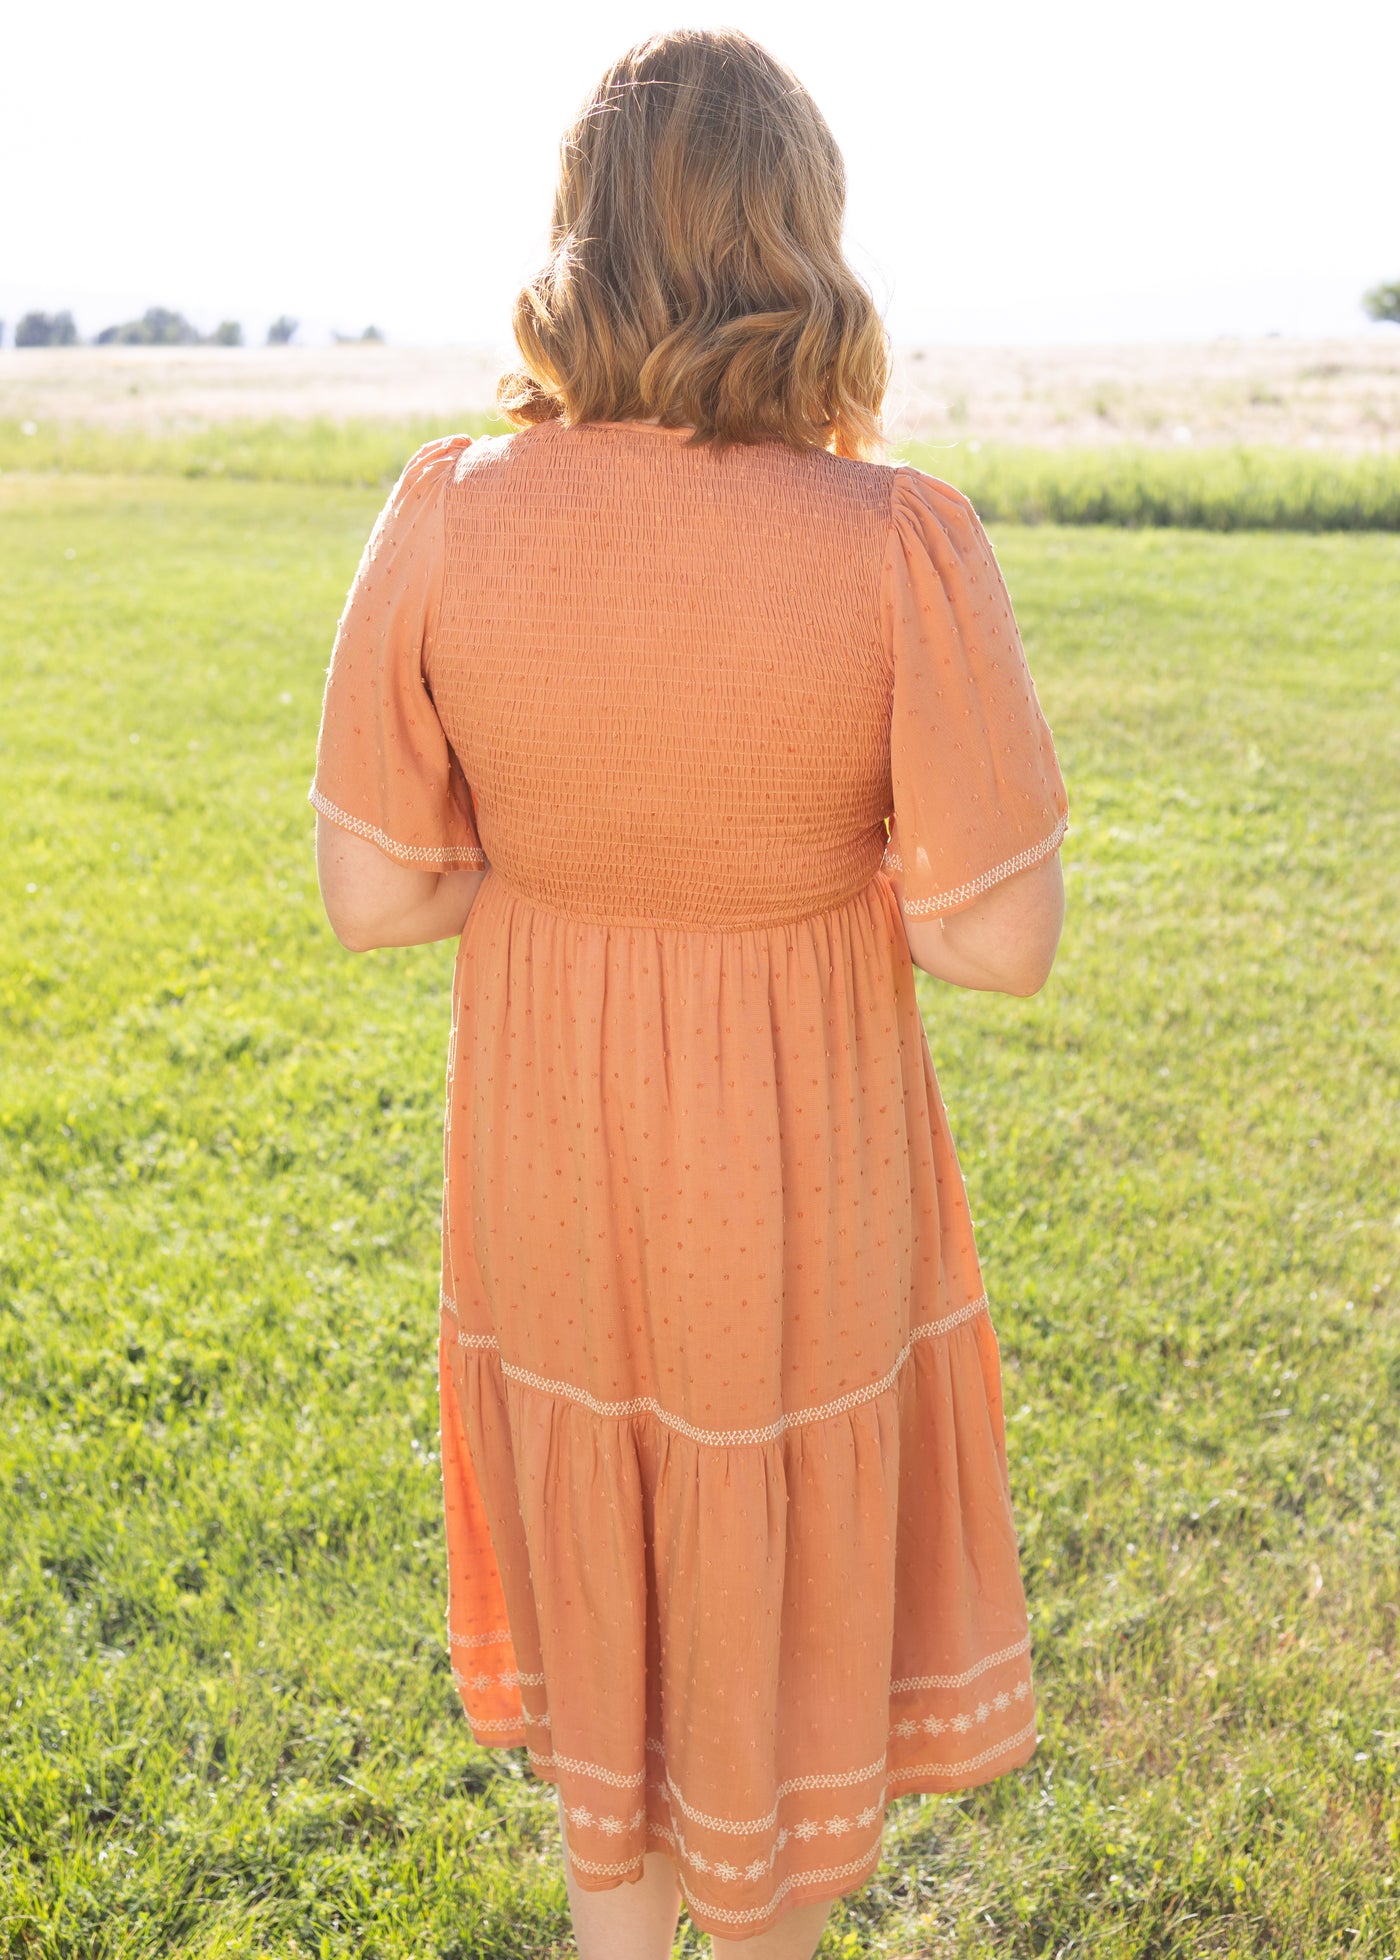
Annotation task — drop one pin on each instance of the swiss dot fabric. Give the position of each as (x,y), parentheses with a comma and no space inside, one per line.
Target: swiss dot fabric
(381,747)
(731,1553)
(976,786)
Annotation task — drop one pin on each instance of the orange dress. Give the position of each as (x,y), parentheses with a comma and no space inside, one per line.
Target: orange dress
(730,1548)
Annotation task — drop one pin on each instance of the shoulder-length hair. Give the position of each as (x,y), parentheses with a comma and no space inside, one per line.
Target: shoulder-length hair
(695,274)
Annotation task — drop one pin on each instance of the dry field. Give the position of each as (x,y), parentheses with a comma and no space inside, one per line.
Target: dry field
(1337,395)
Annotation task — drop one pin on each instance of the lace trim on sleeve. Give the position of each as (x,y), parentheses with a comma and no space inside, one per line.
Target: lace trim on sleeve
(414,853)
(920,908)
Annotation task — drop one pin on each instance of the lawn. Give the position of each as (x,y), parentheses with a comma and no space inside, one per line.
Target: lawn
(1212,488)
(230,1725)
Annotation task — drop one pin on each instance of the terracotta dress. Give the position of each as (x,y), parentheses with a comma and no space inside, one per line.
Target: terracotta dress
(730,1549)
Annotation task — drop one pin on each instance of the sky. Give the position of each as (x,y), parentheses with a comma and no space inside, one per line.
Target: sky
(1018,173)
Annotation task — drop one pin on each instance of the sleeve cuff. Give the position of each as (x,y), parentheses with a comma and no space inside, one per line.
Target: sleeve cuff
(959,895)
(469,854)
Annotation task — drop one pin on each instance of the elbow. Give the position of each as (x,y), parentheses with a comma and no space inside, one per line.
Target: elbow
(356,935)
(1032,975)
(1037,954)
(1027,989)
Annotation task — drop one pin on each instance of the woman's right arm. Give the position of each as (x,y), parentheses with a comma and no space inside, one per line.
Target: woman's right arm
(1005,942)
(975,783)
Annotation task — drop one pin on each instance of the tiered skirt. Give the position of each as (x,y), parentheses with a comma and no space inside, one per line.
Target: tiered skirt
(731,1552)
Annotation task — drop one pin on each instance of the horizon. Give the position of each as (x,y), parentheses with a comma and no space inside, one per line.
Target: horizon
(328,339)
(1105,176)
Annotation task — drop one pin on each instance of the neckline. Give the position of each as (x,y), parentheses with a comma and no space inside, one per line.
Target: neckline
(647,428)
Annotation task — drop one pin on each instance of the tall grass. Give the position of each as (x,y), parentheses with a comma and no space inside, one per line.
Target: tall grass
(1237,489)
(360,454)
(1208,489)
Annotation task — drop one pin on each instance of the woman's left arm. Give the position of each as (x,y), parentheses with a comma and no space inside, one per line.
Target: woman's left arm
(372,901)
(398,856)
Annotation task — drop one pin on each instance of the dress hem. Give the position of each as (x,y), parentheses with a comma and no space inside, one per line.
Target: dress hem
(923,1783)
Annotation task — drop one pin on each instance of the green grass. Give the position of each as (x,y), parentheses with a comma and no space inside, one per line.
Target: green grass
(229,1726)
(348,454)
(1213,489)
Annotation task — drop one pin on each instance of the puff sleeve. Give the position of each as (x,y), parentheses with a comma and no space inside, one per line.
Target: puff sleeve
(976,784)
(384,767)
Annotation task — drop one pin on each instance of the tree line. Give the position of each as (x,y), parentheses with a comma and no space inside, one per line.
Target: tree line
(158,326)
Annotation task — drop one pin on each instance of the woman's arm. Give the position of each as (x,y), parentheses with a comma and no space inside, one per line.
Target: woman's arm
(1005,943)
(371,900)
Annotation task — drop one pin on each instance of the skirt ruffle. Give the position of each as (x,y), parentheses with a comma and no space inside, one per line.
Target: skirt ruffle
(739,1653)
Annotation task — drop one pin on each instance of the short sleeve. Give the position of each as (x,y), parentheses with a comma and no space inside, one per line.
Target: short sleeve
(976,784)
(384,767)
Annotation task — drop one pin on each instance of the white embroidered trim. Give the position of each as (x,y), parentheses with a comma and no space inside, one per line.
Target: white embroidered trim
(510,1679)
(807,1829)
(576,1768)
(505,1728)
(923,907)
(728,1913)
(648,1405)
(918,1770)
(608,1871)
(960,1724)
(914,1682)
(732,1827)
(584,1818)
(416,853)
(499,1637)
(449,1305)
(524,1720)
(841,1780)
(846,1779)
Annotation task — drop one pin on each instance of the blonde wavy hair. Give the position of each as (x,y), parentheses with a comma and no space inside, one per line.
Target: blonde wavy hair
(695,272)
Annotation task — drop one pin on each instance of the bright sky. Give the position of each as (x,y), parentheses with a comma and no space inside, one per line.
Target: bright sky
(1019,170)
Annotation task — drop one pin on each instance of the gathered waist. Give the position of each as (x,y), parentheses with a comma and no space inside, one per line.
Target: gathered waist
(873,886)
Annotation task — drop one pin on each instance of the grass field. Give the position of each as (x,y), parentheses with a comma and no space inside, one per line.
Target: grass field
(1214,489)
(230,1729)
(1274,392)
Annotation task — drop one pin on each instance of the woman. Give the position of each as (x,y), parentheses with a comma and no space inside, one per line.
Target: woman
(625,699)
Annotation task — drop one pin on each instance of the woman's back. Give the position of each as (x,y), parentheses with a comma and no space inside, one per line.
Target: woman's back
(663,685)
(664,672)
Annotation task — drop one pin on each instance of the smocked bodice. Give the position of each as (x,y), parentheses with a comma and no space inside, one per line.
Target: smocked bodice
(659,686)
(713,623)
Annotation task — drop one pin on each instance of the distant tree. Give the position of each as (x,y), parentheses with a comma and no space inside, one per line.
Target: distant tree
(228,333)
(372,333)
(355,339)
(46,330)
(282,330)
(1383,302)
(157,327)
